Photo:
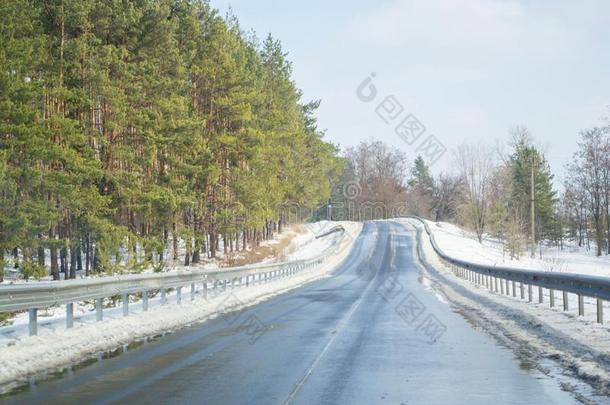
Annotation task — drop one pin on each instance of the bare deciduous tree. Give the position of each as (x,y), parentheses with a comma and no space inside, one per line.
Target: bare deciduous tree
(380,171)
(476,167)
(447,196)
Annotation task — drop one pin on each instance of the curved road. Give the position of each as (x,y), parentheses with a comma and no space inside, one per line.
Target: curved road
(371,334)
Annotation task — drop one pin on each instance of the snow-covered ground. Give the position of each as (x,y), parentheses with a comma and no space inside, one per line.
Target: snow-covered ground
(55,346)
(302,245)
(579,344)
(462,244)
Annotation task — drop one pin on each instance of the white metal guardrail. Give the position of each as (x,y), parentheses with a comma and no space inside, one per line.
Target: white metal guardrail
(33,296)
(512,281)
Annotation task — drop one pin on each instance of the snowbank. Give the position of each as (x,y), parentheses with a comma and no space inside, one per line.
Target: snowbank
(461,244)
(303,245)
(56,347)
(578,344)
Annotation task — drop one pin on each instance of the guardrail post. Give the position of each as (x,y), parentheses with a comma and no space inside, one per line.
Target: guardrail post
(540,295)
(502,286)
(514,288)
(144,301)
(566,305)
(581,305)
(224,285)
(179,295)
(530,293)
(125,299)
(69,315)
(496,284)
(522,290)
(552,297)
(99,309)
(163,296)
(205,290)
(33,323)
(192,292)
(600,311)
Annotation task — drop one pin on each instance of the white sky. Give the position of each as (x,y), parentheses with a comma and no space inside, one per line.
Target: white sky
(467,69)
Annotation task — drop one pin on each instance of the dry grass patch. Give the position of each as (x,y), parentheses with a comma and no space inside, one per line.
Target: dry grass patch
(276,249)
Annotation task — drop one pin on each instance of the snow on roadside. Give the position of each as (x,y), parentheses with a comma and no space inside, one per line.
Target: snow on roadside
(54,350)
(578,343)
(303,245)
(461,244)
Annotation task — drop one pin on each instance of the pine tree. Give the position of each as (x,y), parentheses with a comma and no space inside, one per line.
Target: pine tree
(130,128)
(524,159)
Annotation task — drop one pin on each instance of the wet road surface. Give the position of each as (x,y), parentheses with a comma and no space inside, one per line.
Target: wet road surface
(370,334)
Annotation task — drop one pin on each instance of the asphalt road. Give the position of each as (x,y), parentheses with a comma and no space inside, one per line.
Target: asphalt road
(370,334)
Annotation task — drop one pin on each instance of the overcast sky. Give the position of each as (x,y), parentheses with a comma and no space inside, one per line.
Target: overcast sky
(466,69)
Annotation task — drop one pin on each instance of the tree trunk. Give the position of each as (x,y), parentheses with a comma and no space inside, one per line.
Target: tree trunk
(87,255)
(196,251)
(79,258)
(73,262)
(187,253)
(63,259)
(54,263)
(175,241)
(212,245)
